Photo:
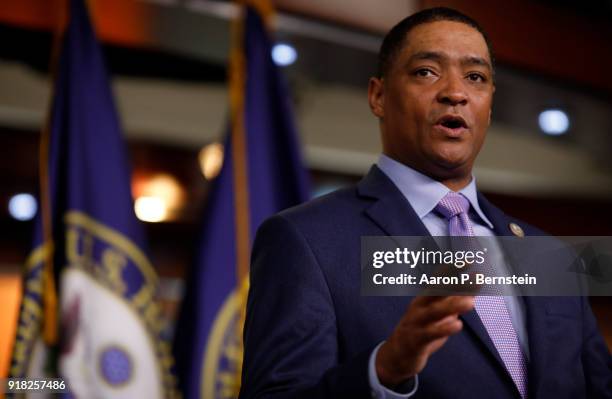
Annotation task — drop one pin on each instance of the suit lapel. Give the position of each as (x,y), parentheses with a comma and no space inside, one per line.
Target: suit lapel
(535,306)
(390,210)
(538,344)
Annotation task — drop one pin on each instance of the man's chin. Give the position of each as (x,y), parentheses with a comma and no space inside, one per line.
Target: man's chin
(452,167)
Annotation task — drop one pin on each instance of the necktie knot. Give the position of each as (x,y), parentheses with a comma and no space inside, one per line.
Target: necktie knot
(453,204)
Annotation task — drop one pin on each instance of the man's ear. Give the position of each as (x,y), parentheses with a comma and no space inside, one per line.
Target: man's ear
(376,96)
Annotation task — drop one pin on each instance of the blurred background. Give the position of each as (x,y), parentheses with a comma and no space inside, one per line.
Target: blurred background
(546,160)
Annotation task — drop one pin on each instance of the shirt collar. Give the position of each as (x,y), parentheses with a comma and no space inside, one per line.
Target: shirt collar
(422,192)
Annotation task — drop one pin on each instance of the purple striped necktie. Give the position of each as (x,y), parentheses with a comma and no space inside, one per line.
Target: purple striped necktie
(492,310)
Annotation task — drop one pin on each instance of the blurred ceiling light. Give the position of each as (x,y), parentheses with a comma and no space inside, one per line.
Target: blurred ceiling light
(22,206)
(158,198)
(165,187)
(283,54)
(211,160)
(554,122)
(150,209)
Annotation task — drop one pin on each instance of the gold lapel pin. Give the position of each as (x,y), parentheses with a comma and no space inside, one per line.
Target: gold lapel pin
(516,230)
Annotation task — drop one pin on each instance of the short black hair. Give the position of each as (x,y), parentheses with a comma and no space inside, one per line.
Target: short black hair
(395,38)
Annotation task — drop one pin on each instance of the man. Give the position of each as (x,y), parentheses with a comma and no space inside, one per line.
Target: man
(308,331)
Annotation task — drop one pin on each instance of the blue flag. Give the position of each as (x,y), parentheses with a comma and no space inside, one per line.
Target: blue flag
(108,340)
(262,173)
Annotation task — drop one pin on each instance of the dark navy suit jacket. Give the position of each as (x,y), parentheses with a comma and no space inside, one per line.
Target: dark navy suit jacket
(309,333)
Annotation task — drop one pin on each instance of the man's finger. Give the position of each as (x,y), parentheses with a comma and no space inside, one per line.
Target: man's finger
(436,331)
(426,299)
(438,310)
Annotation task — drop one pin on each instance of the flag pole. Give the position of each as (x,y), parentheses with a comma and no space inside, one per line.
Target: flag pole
(49,284)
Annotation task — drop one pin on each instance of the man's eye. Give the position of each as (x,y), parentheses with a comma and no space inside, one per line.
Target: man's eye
(424,73)
(476,77)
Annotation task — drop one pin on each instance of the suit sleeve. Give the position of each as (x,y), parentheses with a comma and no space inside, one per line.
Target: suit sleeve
(290,337)
(596,358)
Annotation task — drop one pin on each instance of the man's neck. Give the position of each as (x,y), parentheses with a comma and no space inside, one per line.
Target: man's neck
(456,184)
(454,180)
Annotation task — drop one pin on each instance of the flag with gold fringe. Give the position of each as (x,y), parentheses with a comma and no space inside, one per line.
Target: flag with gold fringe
(89,288)
(262,173)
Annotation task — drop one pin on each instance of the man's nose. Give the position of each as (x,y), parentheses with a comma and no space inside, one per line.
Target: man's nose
(452,92)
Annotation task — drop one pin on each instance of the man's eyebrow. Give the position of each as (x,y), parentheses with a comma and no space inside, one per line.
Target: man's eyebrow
(472,60)
(439,57)
(427,55)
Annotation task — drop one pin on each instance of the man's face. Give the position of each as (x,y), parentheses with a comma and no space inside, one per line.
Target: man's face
(434,102)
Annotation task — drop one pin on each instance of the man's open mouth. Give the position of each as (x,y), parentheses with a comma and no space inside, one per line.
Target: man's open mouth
(452,122)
